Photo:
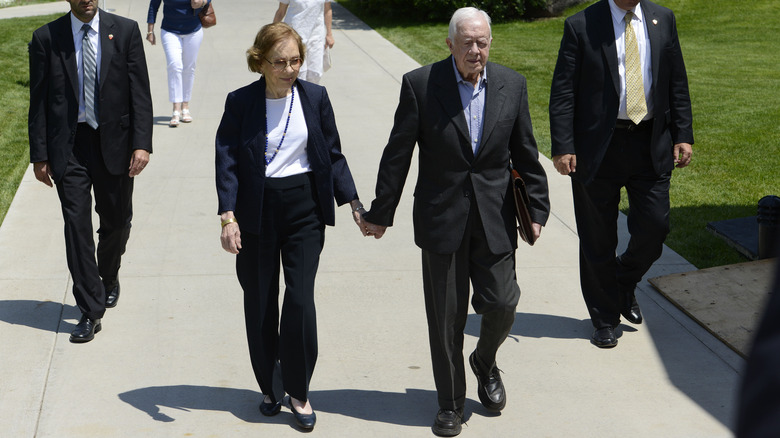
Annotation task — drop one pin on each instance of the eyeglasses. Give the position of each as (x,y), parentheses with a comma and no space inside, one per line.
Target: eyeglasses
(281,64)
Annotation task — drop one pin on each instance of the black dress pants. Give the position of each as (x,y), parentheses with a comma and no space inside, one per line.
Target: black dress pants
(607,280)
(446,286)
(292,231)
(85,173)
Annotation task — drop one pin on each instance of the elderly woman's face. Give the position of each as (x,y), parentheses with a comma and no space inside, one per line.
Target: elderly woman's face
(470,47)
(281,67)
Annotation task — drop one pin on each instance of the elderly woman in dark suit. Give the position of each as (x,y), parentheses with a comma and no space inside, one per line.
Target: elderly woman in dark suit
(279,168)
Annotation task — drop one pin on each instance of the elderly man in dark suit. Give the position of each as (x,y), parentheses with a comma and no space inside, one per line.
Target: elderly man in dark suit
(620,116)
(90,128)
(470,120)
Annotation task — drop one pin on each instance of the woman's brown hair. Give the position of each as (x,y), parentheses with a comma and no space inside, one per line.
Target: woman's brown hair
(269,36)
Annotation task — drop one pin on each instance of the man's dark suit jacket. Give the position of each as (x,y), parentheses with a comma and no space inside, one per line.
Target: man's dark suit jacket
(240,153)
(584,101)
(450,177)
(125,103)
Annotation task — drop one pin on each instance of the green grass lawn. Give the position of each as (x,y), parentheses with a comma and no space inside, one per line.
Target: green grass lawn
(15,33)
(730,50)
(24,2)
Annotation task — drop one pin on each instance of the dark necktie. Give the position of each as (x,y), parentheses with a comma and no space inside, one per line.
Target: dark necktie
(89,63)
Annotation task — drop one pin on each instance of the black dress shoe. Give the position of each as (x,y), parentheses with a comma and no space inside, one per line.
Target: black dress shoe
(490,387)
(85,330)
(604,337)
(632,312)
(112,295)
(304,421)
(270,409)
(448,422)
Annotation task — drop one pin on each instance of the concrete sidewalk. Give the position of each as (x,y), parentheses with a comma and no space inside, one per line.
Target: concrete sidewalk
(172,357)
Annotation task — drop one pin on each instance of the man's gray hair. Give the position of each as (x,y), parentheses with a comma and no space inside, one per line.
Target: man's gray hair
(465,14)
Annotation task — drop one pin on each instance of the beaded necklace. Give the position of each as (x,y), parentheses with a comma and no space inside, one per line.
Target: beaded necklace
(286,125)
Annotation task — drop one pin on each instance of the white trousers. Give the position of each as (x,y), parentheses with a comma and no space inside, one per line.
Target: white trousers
(181,52)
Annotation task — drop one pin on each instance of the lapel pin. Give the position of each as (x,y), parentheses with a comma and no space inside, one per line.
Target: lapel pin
(655,22)
(111,35)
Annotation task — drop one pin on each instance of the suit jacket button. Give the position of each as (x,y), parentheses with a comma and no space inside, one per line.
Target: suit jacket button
(467,193)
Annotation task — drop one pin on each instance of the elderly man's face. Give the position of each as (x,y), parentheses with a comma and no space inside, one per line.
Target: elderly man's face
(470,47)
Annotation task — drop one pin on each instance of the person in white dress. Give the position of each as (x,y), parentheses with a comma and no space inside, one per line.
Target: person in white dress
(312,20)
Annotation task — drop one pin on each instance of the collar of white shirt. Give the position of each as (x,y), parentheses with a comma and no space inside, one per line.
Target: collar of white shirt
(76,24)
(618,14)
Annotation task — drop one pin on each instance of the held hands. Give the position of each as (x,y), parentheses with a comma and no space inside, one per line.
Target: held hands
(357,214)
(231,234)
(565,164)
(374,230)
(366,228)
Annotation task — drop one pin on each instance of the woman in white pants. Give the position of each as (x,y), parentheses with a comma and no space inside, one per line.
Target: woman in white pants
(312,20)
(181,36)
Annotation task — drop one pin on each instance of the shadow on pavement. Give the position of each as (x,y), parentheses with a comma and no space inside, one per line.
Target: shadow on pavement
(41,315)
(242,403)
(700,377)
(415,407)
(534,325)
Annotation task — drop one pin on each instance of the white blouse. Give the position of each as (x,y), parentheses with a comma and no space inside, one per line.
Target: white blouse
(291,159)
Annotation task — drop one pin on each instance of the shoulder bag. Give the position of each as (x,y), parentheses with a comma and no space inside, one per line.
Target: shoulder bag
(207,16)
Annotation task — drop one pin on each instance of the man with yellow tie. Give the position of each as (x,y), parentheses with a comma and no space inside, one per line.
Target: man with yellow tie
(620,116)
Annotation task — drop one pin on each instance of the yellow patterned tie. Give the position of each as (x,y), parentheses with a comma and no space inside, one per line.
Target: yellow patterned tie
(636,107)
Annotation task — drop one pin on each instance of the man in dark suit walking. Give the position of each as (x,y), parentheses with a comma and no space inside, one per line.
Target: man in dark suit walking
(620,116)
(470,120)
(90,128)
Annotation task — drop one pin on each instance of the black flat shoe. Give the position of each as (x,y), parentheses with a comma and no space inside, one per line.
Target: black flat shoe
(112,295)
(270,409)
(604,337)
(304,421)
(490,388)
(448,422)
(85,330)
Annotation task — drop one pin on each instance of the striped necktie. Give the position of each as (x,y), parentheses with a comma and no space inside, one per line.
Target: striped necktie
(89,63)
(636,107)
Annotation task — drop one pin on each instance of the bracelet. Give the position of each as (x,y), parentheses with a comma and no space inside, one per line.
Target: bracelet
(149,33)
(231,220)
(358,208)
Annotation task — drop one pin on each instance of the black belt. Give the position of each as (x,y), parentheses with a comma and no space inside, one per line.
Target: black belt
(85,125)
(631,126)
